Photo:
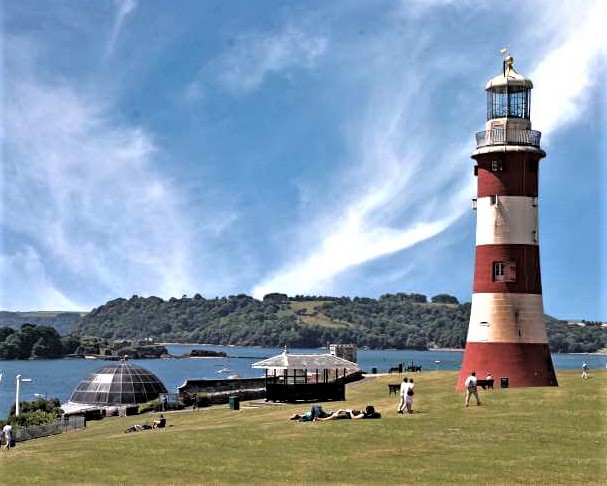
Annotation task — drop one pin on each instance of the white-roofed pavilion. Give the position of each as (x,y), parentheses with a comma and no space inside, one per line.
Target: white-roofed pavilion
(307,377)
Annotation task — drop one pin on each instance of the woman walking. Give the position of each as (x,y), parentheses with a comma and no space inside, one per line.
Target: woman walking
(409,397)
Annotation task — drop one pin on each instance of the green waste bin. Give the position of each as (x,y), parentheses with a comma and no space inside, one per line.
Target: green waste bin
(234,402)
(373,371)
(504,382)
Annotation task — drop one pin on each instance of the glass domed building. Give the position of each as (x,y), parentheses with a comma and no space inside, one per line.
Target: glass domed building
(118,384)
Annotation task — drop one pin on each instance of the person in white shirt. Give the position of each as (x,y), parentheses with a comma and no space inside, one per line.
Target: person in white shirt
(404,386)
(7,431)
(470,385)
(585,370)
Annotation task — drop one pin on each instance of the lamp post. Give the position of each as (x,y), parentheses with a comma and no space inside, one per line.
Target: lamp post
(19,381)
(437,362)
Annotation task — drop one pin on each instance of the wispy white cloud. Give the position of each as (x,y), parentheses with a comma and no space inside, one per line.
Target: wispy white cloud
(406,199)
(124,8)
(404,189)
(407,8)
(574,63)
(254,56)
(82,188)
(35,291)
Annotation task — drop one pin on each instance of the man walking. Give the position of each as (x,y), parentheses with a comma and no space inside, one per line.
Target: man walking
(7,431)
(404,387)
(585,370)
(470,385)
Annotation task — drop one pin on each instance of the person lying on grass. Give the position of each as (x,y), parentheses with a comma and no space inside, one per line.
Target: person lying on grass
(368,412)
(315,411)
(156,424)
(138,427)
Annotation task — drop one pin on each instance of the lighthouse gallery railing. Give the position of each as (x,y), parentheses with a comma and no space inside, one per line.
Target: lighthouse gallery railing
(514,136)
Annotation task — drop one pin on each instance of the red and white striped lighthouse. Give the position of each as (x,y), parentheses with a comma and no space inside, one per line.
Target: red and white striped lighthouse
(507,334)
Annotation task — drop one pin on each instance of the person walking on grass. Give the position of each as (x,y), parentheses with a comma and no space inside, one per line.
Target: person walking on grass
(585,370)
(470,385)
(7,431)
(404,386)
(409,397)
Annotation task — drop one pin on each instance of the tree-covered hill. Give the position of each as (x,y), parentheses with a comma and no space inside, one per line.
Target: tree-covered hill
(392,321)
(34,342)
(62,322)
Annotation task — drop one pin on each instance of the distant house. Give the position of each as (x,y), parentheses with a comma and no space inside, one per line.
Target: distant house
(345,351)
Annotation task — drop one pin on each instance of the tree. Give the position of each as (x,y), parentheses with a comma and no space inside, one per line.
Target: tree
(444,299)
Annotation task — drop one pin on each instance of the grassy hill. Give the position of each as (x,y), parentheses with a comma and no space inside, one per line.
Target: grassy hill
(552,435)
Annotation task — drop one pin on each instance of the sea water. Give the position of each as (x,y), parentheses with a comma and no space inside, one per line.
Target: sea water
(58,378)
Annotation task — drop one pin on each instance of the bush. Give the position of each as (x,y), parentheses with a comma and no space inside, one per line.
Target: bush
(151,406)
(39,412)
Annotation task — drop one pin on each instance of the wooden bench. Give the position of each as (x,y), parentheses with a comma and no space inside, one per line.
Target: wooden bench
(393,389)
(484,384)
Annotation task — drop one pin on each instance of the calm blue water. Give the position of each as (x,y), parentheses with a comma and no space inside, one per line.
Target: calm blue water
(58,378)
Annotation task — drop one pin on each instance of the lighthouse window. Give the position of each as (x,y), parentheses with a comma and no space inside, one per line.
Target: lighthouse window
(508,102)
(519,104)
(497,103)
(504,271)
(494,200)
(496,166)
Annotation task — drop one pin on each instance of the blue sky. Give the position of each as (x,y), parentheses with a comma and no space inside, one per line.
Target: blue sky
(306,147)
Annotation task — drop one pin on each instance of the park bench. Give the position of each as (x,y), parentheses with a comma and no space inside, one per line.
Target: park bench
(484,384)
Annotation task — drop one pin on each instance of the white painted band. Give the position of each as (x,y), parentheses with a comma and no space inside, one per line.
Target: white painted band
(507,220)
(507,317)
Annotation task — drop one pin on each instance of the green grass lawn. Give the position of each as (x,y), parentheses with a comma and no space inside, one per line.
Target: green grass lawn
(518,436)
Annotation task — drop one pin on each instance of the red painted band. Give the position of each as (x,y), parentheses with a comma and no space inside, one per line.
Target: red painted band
(525,257)
(508,174)
(524,364)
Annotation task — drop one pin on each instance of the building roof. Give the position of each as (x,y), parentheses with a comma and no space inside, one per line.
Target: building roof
(509,77)
(287,361)
(118,384)
(71,408)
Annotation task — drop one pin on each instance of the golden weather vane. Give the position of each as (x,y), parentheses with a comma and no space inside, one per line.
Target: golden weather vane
(508,63)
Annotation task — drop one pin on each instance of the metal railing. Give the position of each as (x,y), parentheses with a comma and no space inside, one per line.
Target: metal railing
(509,136)
(61,426)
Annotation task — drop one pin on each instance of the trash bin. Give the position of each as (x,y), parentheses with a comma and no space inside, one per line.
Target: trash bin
(504,382)
(234,402)
(373,371)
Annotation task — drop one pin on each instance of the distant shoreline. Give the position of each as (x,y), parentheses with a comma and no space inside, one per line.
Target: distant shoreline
(600,352)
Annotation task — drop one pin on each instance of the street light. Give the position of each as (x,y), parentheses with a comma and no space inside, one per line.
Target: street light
(437,363)
(19,381)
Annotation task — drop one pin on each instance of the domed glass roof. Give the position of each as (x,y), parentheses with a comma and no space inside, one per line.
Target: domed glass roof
(118,384)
